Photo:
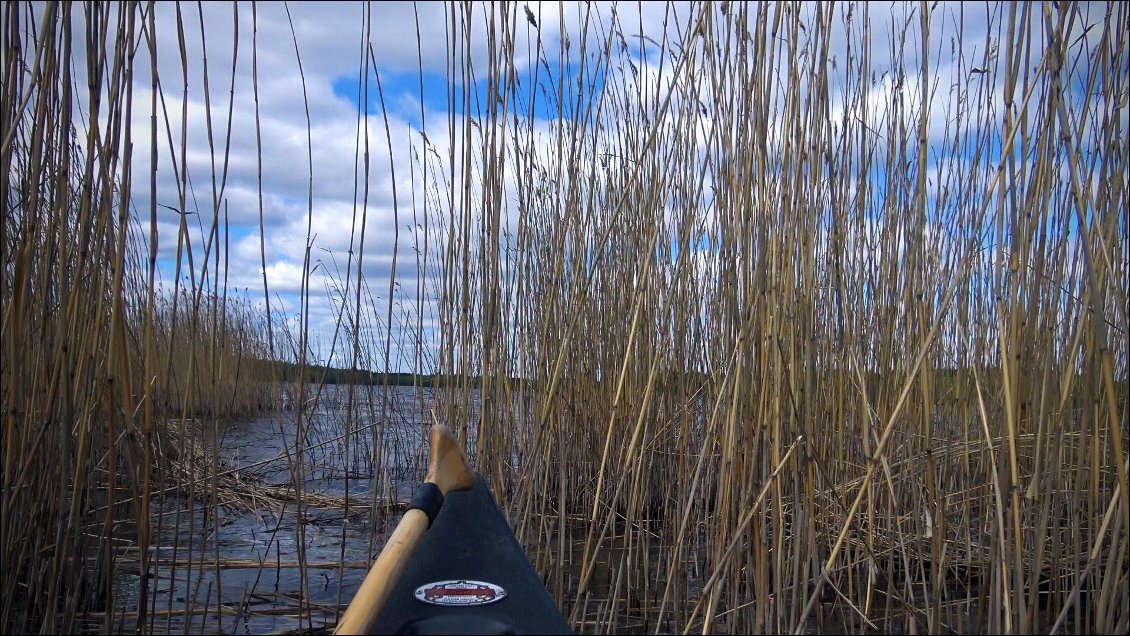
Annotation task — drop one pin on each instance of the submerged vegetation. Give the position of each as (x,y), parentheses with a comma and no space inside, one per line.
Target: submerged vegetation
(768,322)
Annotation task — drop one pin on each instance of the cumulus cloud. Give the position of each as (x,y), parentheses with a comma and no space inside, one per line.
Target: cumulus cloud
(297,145)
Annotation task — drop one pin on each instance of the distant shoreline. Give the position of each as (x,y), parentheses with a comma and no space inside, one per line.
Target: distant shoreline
(289,371)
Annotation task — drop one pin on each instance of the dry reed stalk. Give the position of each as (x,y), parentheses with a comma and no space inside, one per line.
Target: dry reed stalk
(96,355)
(699,268)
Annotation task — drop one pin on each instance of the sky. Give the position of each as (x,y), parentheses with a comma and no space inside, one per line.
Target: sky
(315,187)
(310,59)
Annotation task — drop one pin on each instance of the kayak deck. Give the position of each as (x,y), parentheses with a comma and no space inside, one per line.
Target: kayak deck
(468,545)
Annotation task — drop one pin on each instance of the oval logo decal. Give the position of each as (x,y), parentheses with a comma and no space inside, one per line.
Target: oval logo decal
(460,593)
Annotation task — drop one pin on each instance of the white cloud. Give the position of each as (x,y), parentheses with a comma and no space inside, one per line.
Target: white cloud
(331,38)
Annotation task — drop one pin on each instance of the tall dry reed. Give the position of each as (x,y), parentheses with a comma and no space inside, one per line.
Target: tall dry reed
(101,366)
(810,326)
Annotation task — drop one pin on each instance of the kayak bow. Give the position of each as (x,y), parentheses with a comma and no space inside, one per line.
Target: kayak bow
(448,471)
(466,574)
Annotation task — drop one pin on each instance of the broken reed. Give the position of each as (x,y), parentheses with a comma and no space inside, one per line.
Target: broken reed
(823,324)
(98,360)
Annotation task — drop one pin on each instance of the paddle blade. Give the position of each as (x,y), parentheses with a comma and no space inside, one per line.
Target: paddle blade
(447,467)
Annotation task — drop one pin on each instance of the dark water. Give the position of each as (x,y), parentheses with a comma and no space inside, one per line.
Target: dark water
(258,586)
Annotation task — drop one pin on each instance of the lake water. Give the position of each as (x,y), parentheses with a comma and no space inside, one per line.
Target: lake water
(258,586)
(232,566)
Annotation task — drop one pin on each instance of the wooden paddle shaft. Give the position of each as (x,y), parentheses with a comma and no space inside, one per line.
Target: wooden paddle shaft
(382,578)
(449,471)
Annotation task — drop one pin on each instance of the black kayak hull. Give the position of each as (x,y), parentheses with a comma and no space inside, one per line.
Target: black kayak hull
(470,542)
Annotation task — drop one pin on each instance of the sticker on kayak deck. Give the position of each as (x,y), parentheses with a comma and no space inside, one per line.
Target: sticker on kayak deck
(460,593)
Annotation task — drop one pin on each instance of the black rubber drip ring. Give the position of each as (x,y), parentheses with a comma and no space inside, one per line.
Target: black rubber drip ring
(428,498)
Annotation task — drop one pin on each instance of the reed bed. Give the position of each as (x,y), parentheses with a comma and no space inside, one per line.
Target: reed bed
(101,361)
(773,321)
(816,327)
